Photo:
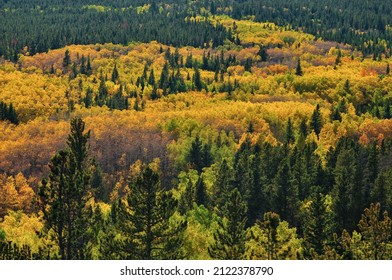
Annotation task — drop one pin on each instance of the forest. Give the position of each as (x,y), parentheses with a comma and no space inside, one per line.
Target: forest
(192,130)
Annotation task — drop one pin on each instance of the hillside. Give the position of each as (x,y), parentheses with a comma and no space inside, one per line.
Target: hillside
(251,125)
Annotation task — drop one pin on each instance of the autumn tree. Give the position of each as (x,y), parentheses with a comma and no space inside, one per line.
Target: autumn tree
(376,233)
(8,197)
(273,239)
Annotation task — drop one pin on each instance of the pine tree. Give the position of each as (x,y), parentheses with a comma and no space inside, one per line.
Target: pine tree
(338,59)
(286,194)
(230,237)
(164,80)
(187,198)
(262,53)
(89,69)
(151,78)
(83,69)
(316,122)
(224,184)
(270,226)
(317,227)
(201,195)
(298,69)
(387,109)
(88,99)
(199,155)
(115,74)
(347,192)
(65,194)
(379,192)
(289,137)
(189,61)
(66,60)
(197,79)
(12,116)
(148,233)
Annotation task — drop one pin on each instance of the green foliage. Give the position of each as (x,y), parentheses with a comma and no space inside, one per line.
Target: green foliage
(230,237)
(147,229)
(272,239)
(65,193)
(8,113)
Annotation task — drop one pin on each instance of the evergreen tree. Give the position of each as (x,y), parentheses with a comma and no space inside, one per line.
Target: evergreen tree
(347,87)
(197,79)
(286,194)
(379,192)
(164,80)
(151,78)
(270,226)
(148,233)
(189,61)
(115,74)
(317,227)
(88,99)
(89,69)
(66,60)
(199,155)
(298,69)
(201,195)
(289,137)
(387,109)
(187,198)
(83,69)
(100,98)
(338,59)
(224,184)
(316,122)
(262,53)
(230,237)
(65,194)
(347,192)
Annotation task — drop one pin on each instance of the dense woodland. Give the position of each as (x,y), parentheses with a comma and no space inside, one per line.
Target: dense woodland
(195,130)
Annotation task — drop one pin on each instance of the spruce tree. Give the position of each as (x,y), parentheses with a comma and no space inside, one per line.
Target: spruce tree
(89,69)
(270,226)
(115,74)
(316,122)
(197,79)
(66,60)
(317,227)
(298,69)
(224,184)
(347,191)
(201,195)
(148,233)
(289,137)
(286,194)
(230,237)
(65,193)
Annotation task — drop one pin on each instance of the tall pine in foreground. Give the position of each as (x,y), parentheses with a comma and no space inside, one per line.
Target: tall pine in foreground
(65,193)
(148,230)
